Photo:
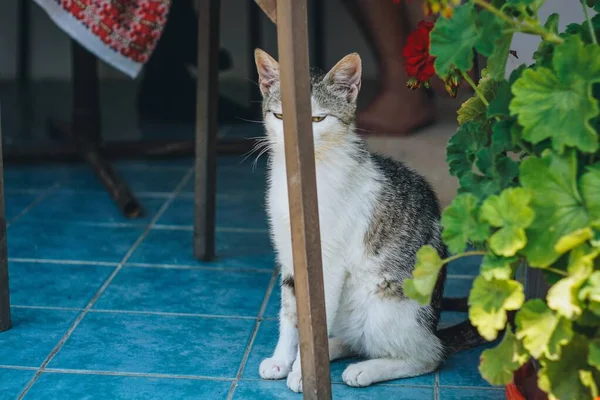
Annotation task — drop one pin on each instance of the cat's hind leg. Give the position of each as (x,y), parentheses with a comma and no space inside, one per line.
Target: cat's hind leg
(365,373)
(338,350)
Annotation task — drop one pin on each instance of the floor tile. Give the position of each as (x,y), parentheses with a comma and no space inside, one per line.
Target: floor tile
(15,203)
(101,387)
(265,342)
(156,344)
(13,382)
(471,394)
(55,285)
(70,241)
(186,291)
(139,180)
(234,249)
(32,177)
(238,179)
(233,211)
(88,206)
(450,318)
(462,369)
(34,334)
(267,390)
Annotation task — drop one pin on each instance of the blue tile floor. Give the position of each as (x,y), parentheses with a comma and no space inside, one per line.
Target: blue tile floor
(109,308)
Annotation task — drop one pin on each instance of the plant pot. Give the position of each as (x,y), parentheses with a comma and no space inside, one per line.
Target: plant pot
(524,385)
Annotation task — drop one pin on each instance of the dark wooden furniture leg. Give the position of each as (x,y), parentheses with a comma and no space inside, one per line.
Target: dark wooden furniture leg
(5,323)
(206,129)
(292,37)
(84,133)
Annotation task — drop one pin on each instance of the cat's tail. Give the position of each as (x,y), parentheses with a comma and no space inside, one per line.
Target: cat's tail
(459,304)
(459,337)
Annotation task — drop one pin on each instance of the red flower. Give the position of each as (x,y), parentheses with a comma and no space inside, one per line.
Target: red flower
(417,60)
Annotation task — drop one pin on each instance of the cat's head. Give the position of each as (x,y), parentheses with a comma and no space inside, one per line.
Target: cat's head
(333,98)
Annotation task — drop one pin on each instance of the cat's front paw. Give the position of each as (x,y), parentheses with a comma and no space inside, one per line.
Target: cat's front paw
(356,375)
(271,368)
(294,381)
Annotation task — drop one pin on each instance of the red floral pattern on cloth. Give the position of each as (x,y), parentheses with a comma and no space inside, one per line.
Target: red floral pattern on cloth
(129,27)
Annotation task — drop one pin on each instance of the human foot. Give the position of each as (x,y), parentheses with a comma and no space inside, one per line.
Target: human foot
(391,114)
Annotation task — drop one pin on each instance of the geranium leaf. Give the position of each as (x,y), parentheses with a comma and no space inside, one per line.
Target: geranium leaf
(591,292)
(559,104)
(494,267)
(563,296)
(509,211)
(489,301)
(590,190)
(463,147)
(499,364)
(461,223)
(558,205)
(473,109)
(561,378)
(499,104)
(541,330)
(453,39)
(425,275)
(573,239)
(594,353)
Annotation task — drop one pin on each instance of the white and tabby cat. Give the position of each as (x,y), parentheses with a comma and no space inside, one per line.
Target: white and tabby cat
(375,214)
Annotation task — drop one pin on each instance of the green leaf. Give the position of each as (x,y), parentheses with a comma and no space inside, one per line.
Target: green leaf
(542,332)
(511,213)
(590,189)
(463,147)
(573,239)
(594,353)
(559,104)
(489,301)
(489,32)
(503,138)
(589,381)
(543,55)
(473,109)
(425,275)
(494,267)
(499,364)
(557,202)
(562,377)
(591,292)
(499,104)
(461,223)
(453,39)
(563,296)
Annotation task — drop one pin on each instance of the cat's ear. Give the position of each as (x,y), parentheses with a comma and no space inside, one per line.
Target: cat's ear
(268,70)
(345,77)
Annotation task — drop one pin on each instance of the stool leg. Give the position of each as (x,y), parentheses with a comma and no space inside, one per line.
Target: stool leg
(292,36)
(5,322)
(206,129)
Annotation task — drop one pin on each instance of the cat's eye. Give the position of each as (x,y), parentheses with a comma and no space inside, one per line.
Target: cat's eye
(278,116)
(318,119)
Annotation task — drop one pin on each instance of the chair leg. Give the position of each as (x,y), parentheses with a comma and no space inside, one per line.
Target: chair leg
(5,322)
(292,39)
(206,128)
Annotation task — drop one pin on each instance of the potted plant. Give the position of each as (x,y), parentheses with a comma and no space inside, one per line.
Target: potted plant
(527,158)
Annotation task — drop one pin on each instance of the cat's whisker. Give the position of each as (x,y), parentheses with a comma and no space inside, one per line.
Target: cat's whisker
(249,120)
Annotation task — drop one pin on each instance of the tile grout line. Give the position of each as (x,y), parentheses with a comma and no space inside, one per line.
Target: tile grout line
(91,303)
(200,267)
(257,324)
(135,312)
(436,385)
(65,262)
(34,203)
(135,374)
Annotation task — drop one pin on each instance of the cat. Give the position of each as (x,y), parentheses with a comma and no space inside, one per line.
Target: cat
(375,213)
